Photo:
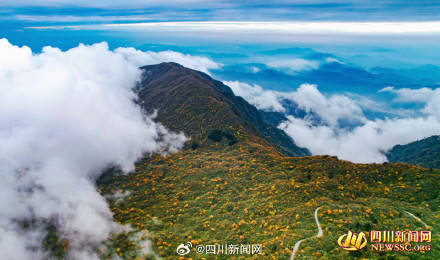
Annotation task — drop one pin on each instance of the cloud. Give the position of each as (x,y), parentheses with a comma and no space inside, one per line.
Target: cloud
(294,65)
(331,111)
(268,32)
(322,124)
(119,196)
(366,143)
(294,27)
(102,3)
(412,95)
(227,10)
(64,117)
(429,96)
(147,58)
(331,60)
(256,95)
(78,18)
(255,69)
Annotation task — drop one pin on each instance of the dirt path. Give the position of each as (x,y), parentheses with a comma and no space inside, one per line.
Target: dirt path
(416,218)
(297,244)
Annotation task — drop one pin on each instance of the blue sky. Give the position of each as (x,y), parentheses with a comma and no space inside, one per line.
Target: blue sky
(358,63)
(393,34)
(19,15)
(196,10)
(91,18)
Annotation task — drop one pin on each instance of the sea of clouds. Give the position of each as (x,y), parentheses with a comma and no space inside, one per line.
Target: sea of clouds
(368,140)
(64,117)
(67,115)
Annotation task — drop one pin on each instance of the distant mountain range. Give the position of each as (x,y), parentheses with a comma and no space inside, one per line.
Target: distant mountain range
(427,74)
(333,76)
(425,153)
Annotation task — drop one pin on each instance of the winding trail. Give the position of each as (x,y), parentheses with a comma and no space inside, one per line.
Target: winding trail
(416,218)
(297,244)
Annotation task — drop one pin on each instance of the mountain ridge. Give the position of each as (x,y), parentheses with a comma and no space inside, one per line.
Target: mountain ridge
(425,152)
(206,107)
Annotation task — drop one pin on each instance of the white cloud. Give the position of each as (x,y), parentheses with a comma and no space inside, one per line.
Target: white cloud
(73,18)
(412,95)
(255,69)
(293,65)
(331,59)
(366,141)
(119,196)
(297,28)
(257,96)
(387,89)
(64,116)
(425,33)
(307,97)
(102,3)
(429,96)
(147,58)
(330,110)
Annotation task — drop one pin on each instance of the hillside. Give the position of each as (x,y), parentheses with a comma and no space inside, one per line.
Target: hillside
(425,153)
(239,196)
(192,102)
(247,192)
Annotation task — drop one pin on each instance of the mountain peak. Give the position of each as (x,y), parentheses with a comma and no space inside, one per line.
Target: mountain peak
(164,65)
(206,110)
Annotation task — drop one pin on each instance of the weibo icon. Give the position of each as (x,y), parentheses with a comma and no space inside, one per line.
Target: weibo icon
(352,241)
(183,249)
